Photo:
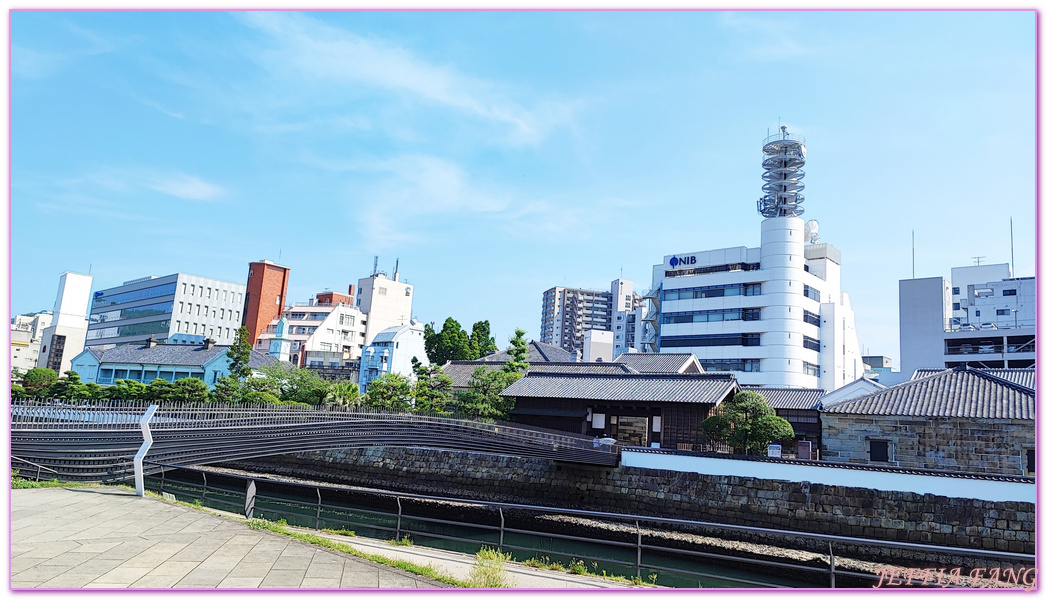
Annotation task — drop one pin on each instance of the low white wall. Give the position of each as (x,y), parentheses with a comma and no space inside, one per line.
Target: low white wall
(952,487)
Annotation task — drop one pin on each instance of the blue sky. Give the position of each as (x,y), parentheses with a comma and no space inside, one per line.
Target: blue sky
(498,154)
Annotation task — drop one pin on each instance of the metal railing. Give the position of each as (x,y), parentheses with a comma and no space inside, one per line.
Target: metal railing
(40,469)
(99,442)
(643,544)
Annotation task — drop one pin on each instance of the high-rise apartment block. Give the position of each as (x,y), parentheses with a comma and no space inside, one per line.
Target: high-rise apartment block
(64,337)
(773,315)
(982,317)
(567,313)
(265,296)
(173,309)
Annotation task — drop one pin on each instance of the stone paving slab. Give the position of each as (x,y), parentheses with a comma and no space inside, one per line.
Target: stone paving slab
(106,537)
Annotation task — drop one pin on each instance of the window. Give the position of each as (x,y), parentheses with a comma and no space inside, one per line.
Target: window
(812,293)
(1030,461)
(618,327)
(278,300)
(810,369)
(811,344)
(878,450)
(225,295)
(192,290)
(237,316)
(1000,312)
(181,307)
(977,313)
(956,306)
(221,314)
(1010,292)
(731,339)
(208,292)
(382,291)
(747,365)
(183,288)
(956,291)
(810,317)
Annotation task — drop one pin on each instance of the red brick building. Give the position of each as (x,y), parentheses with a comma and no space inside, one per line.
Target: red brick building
(265,297)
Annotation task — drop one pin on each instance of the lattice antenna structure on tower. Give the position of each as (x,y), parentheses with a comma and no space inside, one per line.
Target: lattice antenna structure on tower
(784,157)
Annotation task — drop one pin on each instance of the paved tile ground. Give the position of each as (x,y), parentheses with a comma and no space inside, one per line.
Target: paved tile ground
(106,537)
(102,537)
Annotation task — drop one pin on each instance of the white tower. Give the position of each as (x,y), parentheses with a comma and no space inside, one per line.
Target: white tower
(782,236)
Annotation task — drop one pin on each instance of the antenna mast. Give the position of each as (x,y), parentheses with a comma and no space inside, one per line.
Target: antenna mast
(1013,271)
(914,254)
(375,271)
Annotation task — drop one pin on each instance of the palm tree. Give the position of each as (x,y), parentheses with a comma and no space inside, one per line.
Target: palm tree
(343,393)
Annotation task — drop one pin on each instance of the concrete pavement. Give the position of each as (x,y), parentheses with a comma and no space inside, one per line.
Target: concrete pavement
(106,537)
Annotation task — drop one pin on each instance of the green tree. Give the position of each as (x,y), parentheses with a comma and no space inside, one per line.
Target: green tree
(293,384)
(68,387)
(94,391)
(481,341)
(482,400)
(17,391)
(17,375)
(450,343)
(746,422)
(260,398)
(160,391)
(517,354)
(126,389)
(38,381)
(432,389)
(190,389)
(228,389)
(240,355)
(390,392)
(343,393)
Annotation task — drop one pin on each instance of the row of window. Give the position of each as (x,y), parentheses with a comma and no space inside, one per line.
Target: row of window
(811,369)
(730,339)
(206,311)
(312,316)
(713,291)
(747,365)
(191,289)
(812,293)
(124,298)
(811,344)
(108,376)
(123,330)
(813,319)
(707,316)
(713,269)
(202,329)
(132,313)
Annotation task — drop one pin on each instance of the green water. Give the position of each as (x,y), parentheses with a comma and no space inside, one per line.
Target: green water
(296,510)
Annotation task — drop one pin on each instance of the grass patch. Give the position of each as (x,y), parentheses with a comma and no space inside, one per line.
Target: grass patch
(20,483)
(345,532)
(404,541)
(489,569)
(578,567)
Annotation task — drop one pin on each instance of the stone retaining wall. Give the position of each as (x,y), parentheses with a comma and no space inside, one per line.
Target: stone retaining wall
(815,508)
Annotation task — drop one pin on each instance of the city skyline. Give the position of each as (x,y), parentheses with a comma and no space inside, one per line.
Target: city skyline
(498,154)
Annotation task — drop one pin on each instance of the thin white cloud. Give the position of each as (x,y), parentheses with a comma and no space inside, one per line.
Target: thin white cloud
(772,38)
(28,63)
(186,187)
(313,50)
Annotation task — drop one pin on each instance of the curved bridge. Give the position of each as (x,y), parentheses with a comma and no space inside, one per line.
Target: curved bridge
(99,443)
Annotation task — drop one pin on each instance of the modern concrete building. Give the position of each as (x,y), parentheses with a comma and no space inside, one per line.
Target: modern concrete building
(392,351)
(175,309)
(597,346)
(386,302)
(567,313)
(773,315)
(26,334)
(985,323)
(264,297)
(64,338)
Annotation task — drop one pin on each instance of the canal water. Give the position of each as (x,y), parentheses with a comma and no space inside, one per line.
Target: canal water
(375,516)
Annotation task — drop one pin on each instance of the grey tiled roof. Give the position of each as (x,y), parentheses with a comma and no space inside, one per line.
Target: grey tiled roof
(173,354)
(968,393)
(708,389)
(1023,377)
(536,352)
(789,398)
(461,371)
(649,362)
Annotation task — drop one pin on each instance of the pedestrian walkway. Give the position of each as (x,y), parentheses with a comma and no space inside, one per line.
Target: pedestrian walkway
(106,537)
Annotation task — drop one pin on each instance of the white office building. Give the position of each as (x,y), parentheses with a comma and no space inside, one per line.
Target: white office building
(64,338)
(386,302)
(327,331)
(773,315)
(983,317)
(173,309)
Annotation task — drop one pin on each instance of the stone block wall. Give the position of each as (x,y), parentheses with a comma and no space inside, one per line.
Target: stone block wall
(971,445)
(814,508)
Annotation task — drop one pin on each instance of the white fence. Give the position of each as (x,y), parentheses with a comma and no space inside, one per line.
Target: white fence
(953,487)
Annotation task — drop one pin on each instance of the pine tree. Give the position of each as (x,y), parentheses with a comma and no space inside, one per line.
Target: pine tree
(240,355)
